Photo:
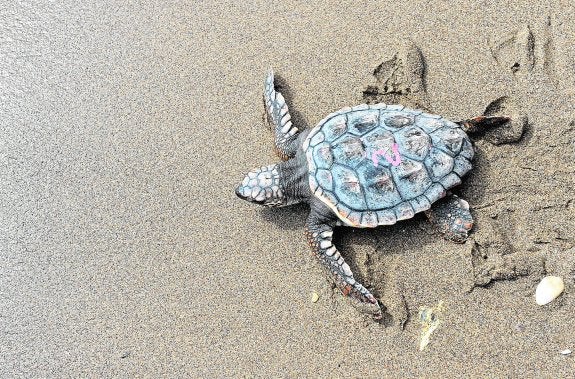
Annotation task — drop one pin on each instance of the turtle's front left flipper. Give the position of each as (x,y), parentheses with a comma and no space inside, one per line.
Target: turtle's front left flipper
(319,232)
(280,120)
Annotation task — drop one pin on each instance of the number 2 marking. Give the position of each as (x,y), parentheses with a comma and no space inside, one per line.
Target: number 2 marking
(395,161)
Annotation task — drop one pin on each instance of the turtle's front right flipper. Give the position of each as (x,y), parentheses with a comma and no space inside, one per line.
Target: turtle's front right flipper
(319,232)
(280,120)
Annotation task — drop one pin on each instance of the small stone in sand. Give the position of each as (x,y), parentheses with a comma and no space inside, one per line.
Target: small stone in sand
(314,297)
(548,289)
(566,352)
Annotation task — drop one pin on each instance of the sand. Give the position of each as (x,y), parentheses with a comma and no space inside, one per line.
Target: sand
(124,252)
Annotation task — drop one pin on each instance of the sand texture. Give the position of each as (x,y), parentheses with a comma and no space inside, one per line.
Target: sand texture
(126,125)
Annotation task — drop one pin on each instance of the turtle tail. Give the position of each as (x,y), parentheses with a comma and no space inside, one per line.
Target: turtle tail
(481,123)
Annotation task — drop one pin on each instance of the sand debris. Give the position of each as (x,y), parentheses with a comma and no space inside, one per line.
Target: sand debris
(314,297)
(430,318)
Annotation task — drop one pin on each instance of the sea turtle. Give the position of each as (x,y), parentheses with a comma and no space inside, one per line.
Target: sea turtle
(365,166)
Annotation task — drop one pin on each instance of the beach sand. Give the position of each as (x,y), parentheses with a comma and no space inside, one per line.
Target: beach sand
(125,127)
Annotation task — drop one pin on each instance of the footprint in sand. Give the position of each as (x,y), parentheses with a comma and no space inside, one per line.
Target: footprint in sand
(511,131)
(557,56)
(515,52)
(522,53)
(400,80)
(530,59)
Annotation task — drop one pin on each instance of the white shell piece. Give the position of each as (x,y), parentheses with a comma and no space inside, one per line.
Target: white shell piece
(548,289)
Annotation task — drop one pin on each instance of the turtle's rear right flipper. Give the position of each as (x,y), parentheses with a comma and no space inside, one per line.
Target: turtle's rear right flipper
(280,120)
(482,123)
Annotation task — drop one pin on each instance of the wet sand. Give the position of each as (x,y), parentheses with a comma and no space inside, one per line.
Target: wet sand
(124,251)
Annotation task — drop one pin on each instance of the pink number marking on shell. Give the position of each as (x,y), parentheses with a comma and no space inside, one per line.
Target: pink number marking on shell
(396,157)
(374,156)
(395,161)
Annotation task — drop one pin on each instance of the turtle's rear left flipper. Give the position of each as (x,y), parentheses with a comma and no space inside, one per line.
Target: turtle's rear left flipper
(280,120)
(482,123)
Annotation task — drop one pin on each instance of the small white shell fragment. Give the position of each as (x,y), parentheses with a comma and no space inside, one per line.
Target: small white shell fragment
(548,289)
(566,352)
(314,297)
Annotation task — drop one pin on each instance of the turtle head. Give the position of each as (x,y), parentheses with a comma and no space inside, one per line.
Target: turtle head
(263,186)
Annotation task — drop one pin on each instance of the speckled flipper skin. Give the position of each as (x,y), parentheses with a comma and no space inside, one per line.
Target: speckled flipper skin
(452,218)
(279,118)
